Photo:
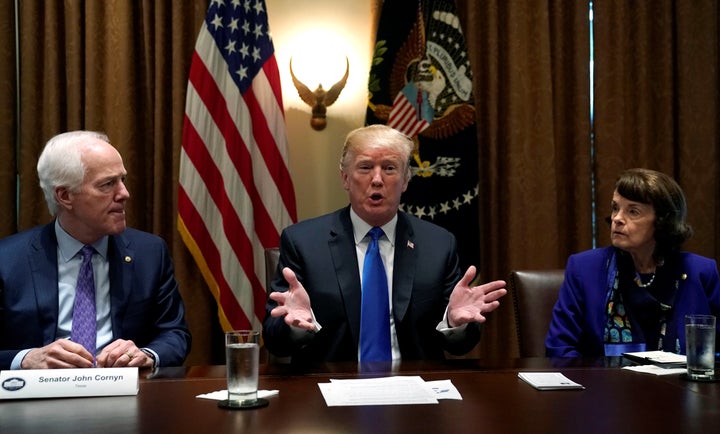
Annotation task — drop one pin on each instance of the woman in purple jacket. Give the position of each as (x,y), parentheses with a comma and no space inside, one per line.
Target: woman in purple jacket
(634,295)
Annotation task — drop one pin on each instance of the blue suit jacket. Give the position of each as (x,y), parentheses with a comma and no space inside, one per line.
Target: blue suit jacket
(145,304)
(321,252)
(579,316)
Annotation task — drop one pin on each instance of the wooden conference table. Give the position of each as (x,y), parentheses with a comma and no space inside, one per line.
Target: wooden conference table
(494,401)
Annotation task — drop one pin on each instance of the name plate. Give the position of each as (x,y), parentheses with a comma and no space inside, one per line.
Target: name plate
(63,383)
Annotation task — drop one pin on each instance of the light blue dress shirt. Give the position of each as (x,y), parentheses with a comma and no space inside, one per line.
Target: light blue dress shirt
(69,260)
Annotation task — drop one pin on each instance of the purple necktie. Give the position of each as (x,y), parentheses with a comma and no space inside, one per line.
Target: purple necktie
(375,310)
(84,324)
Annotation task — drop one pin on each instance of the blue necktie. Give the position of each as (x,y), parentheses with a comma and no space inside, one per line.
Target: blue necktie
(375,311)
(84,324)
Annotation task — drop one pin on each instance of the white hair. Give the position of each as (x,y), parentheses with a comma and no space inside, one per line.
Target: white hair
(60,164)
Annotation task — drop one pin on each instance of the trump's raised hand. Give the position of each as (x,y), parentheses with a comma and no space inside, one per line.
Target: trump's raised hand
(470,303)
(294,303)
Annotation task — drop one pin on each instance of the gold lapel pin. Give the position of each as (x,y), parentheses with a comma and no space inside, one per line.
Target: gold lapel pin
(128,259)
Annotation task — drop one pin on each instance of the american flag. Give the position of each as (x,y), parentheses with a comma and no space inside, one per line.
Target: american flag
(411,112)
(235,193)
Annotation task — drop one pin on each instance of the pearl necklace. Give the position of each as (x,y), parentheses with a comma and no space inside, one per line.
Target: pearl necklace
(639,283)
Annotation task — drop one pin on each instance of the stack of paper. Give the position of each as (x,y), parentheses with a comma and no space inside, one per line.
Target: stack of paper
(661,358)
(655,370)
(548,380)
(386,391)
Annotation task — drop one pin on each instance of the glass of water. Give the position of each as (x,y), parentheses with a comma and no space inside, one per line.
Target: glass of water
(242,357)
(700,346)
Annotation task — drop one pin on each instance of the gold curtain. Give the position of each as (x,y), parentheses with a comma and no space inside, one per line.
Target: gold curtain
(530,65)
(656,103)
(8,118)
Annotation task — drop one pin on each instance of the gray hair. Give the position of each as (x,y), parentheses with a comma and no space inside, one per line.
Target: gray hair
(60,164)
(377,136)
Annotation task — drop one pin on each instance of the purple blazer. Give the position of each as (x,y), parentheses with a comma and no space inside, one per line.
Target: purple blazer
(579,316)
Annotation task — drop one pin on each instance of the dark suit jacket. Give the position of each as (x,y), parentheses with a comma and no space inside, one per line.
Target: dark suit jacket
(321,252)
(145,303)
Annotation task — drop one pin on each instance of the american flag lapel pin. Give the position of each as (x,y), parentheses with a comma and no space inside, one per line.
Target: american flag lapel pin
(410,244)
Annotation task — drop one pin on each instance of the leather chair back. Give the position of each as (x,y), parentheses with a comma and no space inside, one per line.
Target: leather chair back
(534,294)
(272,256)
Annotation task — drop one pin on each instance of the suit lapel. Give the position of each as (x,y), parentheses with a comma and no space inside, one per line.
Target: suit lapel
(120,262)
(342,251)
(403,268)
(44,271)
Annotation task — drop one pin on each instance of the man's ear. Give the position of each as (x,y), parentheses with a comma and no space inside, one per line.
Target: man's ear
(345,181)
(63,197)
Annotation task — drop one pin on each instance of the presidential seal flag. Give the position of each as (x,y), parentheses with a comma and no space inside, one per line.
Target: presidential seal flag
(421,84)
(235,194)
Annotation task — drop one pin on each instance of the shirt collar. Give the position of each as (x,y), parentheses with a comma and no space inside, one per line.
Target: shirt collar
(361,228)
(69,246)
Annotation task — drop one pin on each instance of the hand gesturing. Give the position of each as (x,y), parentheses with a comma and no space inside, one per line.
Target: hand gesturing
(468,304)
(294,303)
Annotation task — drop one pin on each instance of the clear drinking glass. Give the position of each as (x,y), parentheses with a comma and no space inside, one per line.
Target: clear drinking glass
(700,346)
(242,357)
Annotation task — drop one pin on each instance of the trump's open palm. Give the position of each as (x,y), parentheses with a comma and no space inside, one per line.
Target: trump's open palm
(470,303)
(294,303)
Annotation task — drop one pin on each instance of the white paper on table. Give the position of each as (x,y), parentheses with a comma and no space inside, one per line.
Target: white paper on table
(443,389)
(661,357)
(549,381)
(655,370)
(398,390)
(219,395)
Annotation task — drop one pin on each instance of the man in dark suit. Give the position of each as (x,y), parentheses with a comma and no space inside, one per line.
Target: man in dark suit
(139,313)
(314,311)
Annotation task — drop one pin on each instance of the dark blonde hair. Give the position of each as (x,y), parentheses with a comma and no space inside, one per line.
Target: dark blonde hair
(666,197)
(377,136)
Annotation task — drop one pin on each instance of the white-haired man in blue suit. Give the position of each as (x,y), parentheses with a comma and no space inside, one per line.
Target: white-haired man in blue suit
(139,315)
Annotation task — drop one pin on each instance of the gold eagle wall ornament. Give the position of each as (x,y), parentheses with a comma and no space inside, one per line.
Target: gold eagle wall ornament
(320,99)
